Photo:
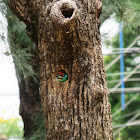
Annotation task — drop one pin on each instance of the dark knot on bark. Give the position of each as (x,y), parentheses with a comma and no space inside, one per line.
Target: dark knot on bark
(63,11)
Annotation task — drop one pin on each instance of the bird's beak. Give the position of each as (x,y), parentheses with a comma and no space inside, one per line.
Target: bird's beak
(59,77)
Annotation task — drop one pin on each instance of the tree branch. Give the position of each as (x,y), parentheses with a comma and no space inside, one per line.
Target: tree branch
(27,11)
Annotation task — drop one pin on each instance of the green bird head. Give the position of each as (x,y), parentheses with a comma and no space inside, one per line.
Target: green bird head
(62,76)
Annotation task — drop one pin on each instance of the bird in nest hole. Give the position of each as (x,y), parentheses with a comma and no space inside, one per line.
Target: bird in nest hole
(61,76)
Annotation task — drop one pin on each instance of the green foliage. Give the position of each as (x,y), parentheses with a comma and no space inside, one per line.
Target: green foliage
(126,11)
(22,49)
(129,13)
(2,37)
(11,127)
(132,13)
(110,7)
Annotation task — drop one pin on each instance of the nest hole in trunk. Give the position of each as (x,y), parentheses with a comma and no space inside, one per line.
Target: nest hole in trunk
(67,12)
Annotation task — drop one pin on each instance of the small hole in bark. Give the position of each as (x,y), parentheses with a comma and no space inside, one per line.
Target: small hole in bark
(66,11)
(61,76)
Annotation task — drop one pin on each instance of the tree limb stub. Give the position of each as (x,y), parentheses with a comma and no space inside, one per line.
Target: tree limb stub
(27,11)
(68,39)
(63,11)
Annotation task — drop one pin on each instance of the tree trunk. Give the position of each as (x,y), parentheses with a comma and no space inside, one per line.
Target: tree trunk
(30,103)
(68,39)
(29,107)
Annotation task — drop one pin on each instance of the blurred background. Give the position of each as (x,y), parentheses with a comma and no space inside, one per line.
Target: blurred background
(120,32)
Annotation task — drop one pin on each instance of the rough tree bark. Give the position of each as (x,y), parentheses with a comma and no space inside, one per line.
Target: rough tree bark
(29,106)
(67,35)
